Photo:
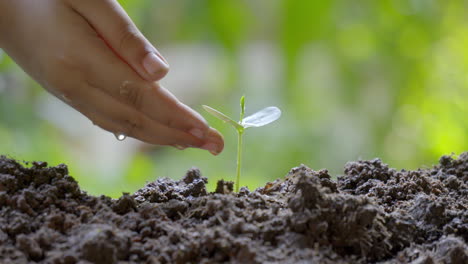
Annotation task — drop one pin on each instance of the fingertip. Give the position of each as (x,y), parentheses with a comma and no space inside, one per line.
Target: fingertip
(214,142)
(198,133)
(155,67)
(216,135)
(212,148)
(200,128)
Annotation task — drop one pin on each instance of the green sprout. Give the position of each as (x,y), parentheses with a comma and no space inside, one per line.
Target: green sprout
(258,119)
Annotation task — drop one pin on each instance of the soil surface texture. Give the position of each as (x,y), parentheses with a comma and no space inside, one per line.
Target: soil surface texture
(371,214)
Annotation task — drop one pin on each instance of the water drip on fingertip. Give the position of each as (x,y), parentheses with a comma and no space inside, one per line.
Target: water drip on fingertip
(120,136)
(179,147)
(65,98)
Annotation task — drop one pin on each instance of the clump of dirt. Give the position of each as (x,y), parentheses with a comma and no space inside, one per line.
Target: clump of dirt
(370,214)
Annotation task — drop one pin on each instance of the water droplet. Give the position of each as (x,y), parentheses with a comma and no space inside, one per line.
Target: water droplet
(179,147)
(124,88)
(65,98)
(120,136)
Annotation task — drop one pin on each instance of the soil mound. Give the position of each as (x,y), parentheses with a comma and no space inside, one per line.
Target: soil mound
(371,214)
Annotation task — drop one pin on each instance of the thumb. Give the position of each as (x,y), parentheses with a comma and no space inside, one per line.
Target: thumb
(113,24)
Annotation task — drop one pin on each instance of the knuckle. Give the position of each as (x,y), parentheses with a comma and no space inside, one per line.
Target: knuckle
(64,76)
(57,67)
(170,122)
(67,62)
(129,37)
(133,126)
(133,96)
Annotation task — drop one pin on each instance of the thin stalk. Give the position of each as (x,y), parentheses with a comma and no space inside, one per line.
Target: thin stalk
(239,157)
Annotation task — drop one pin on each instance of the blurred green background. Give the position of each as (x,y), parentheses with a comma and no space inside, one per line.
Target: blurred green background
(355,79)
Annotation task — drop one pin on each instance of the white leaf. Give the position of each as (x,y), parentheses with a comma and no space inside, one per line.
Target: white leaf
(262,117)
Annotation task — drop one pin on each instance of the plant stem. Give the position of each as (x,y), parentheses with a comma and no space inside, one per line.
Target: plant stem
(239,156)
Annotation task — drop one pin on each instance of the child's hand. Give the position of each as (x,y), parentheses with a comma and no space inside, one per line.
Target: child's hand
(89,54)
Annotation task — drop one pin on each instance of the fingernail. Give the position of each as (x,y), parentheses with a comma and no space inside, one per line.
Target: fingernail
(153,64)
(211,147)
(196,132)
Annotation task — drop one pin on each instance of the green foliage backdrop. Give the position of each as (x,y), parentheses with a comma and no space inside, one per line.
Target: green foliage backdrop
(364,79)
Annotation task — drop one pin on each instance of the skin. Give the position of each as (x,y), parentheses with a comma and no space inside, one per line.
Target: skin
(89,54)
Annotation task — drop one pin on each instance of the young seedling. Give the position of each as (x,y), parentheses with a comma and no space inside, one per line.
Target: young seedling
(260,118)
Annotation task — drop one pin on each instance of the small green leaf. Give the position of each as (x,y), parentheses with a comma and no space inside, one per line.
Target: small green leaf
(223,117)
(262,117)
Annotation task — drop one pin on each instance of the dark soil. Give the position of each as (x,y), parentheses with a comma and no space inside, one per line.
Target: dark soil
(370,214)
